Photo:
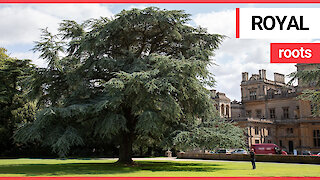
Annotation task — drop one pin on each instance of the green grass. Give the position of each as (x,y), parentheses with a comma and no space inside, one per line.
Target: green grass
(99,167)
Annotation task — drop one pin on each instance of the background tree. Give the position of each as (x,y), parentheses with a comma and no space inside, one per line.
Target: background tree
(312,94)
(209,135)
(120,80)
(14,107)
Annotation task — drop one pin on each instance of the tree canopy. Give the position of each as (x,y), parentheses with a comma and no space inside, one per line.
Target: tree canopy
(14,107)
(138,75)
(311,78)
(209,135)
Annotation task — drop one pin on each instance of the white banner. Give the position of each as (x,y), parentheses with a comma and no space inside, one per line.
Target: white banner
(289,23)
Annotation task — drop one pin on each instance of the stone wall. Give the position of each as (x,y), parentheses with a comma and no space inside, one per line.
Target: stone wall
(259,158)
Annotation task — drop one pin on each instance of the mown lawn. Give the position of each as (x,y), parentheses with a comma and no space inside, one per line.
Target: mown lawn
(99,167)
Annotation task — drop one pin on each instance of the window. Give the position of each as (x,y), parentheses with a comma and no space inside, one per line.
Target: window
(253,95)
(222,110)
(258,113)
(272,113)
(316,138)
(269,131)
(256,141)
(249,114)
(289,130)
(314,108)
(227,110)
(285,112)
(280,143)
(256,130)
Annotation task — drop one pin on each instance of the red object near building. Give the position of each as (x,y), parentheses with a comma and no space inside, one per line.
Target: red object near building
(266,149)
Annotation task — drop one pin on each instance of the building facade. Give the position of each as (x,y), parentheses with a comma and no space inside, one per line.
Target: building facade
(223,105)
(270,112)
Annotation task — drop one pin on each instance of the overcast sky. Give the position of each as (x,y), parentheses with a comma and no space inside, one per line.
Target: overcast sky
(20,26)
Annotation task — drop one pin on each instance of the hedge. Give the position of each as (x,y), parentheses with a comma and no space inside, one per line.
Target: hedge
(259,158)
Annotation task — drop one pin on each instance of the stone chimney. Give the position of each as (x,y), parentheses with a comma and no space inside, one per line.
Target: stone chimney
(262,74)
(245,76)
(279,78)
(255,76)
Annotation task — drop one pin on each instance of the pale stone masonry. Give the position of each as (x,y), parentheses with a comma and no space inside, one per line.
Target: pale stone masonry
(223,105)
(271,113)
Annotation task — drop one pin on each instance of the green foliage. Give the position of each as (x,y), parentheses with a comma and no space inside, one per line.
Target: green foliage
(14,107)
(120,80)
(311,78)
(314,97)
(210,135)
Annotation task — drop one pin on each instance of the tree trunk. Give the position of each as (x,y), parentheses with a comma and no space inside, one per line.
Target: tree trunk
(141,151)
(125,151)
(149,152)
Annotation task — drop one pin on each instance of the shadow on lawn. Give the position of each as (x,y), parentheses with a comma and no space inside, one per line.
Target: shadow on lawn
(104,168)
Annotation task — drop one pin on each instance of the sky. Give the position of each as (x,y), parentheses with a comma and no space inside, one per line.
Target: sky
(20,26)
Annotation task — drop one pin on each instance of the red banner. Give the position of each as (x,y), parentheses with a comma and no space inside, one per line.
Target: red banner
(159,1)
(295,52)
(159,178)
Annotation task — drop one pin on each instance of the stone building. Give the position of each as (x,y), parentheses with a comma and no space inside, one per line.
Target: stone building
(223,104)
(270,112)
